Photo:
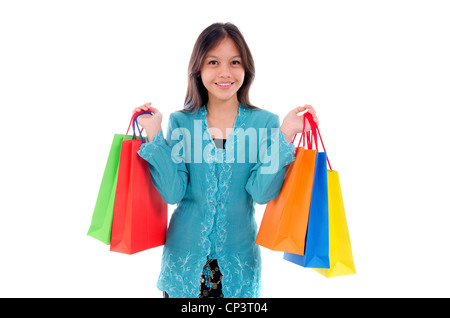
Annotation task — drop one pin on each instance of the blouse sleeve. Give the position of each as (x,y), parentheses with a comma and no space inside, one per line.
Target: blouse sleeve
(168,170)
(267,176)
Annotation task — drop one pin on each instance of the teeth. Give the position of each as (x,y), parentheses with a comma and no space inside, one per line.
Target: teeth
(226,84)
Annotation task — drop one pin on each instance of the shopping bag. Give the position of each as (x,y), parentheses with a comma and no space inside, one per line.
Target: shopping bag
(340,250)
(284,223)
(316,249)
(101,221)
(140,214)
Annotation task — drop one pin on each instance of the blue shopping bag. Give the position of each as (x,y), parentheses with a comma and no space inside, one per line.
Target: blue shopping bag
(317,236)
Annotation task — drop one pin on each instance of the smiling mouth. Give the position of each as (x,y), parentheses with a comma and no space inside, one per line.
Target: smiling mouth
(224,85)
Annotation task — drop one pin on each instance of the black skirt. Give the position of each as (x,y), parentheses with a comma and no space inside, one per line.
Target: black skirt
(210,281)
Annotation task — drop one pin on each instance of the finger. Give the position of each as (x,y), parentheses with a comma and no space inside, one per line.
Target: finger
(145,106)
(153,109)
(313,114)
(139,109)
(309,107)
(299,110)
(144,116)
(316,120)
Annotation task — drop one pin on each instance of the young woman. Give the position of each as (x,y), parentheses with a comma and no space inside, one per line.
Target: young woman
(220,155)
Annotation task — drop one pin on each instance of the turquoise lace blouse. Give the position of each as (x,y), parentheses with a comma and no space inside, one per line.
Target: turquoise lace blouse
(215,191)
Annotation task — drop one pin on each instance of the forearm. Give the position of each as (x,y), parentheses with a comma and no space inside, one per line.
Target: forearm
(168,172)
(267,176)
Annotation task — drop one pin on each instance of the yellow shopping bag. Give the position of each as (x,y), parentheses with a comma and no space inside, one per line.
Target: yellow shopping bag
(341,257)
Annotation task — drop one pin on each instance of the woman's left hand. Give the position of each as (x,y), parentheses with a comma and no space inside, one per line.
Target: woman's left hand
(293,124)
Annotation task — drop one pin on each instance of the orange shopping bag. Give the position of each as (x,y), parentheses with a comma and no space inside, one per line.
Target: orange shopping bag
(285,220)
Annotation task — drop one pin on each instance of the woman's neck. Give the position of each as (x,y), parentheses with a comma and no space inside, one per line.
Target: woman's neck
(222,109)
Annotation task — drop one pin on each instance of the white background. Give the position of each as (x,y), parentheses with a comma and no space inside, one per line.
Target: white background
(377,73)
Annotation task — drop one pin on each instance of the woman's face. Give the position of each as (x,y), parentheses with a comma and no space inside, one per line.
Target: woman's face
(222,72)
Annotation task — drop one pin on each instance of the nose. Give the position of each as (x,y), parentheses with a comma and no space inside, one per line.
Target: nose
(224,71)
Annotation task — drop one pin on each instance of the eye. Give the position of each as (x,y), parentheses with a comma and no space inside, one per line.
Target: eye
(236,62)
(212,62)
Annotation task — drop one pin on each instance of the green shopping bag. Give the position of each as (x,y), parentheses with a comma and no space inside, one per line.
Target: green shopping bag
(102,217)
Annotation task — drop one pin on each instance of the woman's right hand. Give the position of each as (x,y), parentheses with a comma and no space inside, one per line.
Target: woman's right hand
(151,123)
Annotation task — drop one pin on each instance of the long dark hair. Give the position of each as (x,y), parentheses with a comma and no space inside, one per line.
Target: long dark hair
(197,95)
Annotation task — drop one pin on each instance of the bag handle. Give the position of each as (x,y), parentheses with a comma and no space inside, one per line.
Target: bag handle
(136,125)
(311,136)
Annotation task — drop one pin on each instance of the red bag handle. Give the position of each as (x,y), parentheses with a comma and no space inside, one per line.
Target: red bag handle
(311,136)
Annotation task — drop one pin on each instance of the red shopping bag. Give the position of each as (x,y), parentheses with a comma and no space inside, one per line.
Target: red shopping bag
(140,214)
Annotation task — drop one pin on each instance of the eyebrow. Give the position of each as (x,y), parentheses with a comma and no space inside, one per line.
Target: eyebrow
(215,57)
